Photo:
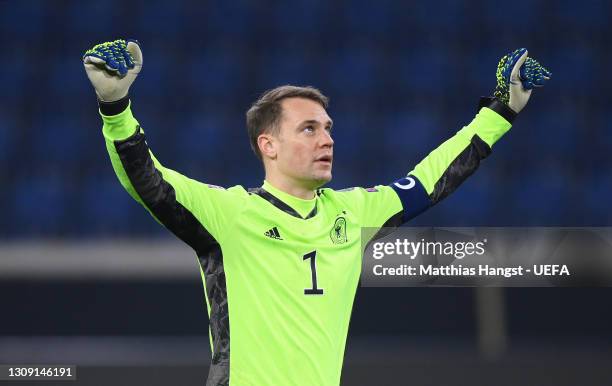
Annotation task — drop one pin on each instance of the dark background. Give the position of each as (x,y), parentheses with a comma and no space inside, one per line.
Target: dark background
(402,77)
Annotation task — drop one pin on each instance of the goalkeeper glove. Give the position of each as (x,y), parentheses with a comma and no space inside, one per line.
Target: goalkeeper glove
(112,67)
(517,75)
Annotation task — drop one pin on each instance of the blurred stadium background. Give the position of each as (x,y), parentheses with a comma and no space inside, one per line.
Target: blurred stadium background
(87,277)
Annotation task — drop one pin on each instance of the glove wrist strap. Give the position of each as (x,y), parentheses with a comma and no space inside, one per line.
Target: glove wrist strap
(114,108)
(499,107)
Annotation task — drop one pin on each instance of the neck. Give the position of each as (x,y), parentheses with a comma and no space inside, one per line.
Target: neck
(291,188)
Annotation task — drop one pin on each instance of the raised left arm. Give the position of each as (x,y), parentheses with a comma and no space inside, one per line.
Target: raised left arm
(445,168)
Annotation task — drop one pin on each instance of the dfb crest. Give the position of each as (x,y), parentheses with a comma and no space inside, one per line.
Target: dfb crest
(338,231)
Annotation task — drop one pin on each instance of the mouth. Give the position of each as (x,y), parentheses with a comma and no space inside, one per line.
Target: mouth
(326,159)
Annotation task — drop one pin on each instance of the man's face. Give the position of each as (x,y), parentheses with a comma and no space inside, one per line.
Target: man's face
(304,147)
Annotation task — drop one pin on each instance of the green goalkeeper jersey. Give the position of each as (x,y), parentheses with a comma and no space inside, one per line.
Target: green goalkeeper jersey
(279,272)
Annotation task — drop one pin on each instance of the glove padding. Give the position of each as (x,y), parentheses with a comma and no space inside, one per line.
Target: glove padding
(517,75)
(112,67)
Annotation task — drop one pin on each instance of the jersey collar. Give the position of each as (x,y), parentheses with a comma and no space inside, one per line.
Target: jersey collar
(289,204)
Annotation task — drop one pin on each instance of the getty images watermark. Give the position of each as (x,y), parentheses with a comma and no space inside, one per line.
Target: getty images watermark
(487,257)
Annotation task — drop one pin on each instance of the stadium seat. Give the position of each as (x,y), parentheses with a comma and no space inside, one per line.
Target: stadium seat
(591,13)
(525,15)
(368,19)
(474,203)
(201,137)
(594,194)
(14,71)
(353,72)
(216,74)
(58,141)
(401,76)
(314,15)
(279,68)
(8,135)
(449,14)
(411,132)
(104,13)
(425,68)
(227,18)
(12,19)
(167,18)
(59,88)
(565,125)
(158,66)
(39,204)
(539,198)
(106,206)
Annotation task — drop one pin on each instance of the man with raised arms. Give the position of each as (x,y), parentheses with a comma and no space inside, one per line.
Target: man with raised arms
(281,263)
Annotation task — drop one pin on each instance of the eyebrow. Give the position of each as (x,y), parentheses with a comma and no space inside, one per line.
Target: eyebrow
(329,123)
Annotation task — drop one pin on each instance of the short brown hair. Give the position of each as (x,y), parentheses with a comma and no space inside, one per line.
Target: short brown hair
(265,114)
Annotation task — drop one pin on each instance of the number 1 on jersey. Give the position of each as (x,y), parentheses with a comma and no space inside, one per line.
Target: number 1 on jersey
(313,268)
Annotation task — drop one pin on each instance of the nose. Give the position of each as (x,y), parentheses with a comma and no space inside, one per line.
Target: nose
(326,139)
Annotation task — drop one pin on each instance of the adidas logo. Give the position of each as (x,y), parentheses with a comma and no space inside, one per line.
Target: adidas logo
(273,233)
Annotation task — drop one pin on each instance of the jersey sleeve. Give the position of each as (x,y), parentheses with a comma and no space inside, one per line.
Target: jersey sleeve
(192,210)
(445,168)
(375,207)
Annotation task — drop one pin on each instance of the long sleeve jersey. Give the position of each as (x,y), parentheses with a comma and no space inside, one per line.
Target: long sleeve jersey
(280,273)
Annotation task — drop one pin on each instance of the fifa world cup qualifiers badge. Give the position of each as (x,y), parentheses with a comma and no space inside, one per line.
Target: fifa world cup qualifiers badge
(338,232)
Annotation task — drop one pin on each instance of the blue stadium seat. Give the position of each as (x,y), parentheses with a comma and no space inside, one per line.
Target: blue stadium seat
(393,70)
(314,16)
(540,197)
(588,14)
(439,16)
(474,202)
(158,72)
(59,88)
(220,73)
(411,133)
(593,200)
(14,72)
(555,129)
(426,70)
(523,15)
(9,132)
(604,132)
(159,20)
(39,204)
(201,137)
(279,69)
(350,130)
(368,18)
(223,19)
(57,140)
(102,15)
(353,72)
(23,19)
(581,68)
(106,207)
(478,70)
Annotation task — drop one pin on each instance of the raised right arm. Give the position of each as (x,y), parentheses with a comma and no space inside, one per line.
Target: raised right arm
(193,211)
(188,208)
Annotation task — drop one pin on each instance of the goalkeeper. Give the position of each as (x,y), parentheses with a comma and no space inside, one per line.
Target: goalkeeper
(281,263)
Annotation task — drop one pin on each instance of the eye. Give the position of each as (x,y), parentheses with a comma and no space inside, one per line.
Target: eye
(309,129)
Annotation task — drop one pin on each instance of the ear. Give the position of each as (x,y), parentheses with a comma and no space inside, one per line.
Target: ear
(267,145)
